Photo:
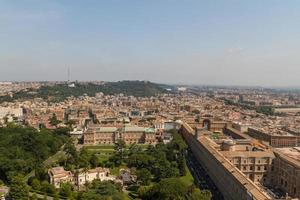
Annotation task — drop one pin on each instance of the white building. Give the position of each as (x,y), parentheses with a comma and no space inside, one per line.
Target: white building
(99,173)
(59,175)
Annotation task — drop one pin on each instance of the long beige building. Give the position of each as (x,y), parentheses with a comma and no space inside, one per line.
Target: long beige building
(227,176)
(280,139)
(110,135)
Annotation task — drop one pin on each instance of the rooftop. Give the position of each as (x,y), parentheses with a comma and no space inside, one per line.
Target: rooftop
(293,152)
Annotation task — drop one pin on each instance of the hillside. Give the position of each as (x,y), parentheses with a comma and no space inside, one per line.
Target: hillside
(60,92)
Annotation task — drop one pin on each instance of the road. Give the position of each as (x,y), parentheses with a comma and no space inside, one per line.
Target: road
(201,177)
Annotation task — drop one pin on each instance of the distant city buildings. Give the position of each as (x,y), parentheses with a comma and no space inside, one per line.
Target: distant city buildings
(247,153)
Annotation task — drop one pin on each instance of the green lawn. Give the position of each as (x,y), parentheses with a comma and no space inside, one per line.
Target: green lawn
(103,157)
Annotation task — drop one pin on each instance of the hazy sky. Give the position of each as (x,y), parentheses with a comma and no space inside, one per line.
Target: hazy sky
(231,42)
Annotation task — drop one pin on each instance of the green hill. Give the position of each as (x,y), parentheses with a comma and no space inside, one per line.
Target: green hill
(59,92)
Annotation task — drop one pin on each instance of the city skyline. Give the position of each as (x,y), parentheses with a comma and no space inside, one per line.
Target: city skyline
(201,43)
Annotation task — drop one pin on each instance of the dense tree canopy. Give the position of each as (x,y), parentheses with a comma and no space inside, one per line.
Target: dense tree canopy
(18,189)
(23,149)
(105,190)
(175,189)
(163,161)
(60,92)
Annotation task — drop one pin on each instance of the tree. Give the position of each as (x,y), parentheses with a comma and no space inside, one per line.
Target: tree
(94,160)
(144,176)
(23,149)
(35,184)
(66,190)
(119,148)
(71,152)
(134,149)
(181,165)
(70,123)
(118,157)
(99,190)
(168,189)
(53,121)
(200,195)
(84,158)
(48,188)
(18,189)
(56,196)
(34,197)
(40,172)
(144,191)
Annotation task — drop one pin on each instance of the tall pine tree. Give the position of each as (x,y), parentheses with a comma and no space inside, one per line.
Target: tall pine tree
(18,189)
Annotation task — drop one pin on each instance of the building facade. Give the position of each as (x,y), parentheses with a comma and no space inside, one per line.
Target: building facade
(275,139)
(231,182)
(96,135)
(286,169)
(58,176)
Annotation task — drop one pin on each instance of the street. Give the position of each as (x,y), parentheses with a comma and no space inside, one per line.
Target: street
(201,177)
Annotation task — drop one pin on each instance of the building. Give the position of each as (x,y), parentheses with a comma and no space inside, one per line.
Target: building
(59,175)
(213,125)
(286,169)
(132,134)
(252,160)
(274,139)
(101,135)
(240,127)
(15,112)
(235,133)
(128,133)
(230,180)
(99,173)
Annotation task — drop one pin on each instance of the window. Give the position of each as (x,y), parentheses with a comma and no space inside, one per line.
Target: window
(251,168)
(251,176)
(258,168)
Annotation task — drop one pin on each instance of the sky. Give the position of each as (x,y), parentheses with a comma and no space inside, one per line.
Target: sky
(212,42)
